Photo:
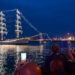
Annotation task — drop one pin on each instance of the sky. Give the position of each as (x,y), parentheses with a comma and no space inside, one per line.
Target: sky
(55,17)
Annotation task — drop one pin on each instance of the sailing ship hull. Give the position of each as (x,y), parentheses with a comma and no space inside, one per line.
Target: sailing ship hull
(19,42)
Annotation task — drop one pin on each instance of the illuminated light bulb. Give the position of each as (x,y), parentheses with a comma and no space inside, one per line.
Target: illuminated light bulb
(70,38)
(18,12)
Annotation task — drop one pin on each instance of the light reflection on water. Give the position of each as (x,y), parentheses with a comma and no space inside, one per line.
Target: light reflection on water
(5,49)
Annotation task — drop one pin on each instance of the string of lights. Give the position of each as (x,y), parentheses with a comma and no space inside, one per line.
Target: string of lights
(25,19)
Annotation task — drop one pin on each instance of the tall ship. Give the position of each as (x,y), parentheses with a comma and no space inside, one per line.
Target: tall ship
(19,40)
(32,45)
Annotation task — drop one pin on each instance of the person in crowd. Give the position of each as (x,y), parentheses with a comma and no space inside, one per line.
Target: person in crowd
(70,65)
(55,62)
(24,68)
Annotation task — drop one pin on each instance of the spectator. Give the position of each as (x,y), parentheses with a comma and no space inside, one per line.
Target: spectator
(70,65)
(28,69)
(55,63)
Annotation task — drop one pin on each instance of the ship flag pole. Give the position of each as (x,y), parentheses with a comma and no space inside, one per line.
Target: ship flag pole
(3,29)
(18,24)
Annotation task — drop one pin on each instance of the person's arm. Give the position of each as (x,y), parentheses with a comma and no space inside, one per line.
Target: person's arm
(70,55)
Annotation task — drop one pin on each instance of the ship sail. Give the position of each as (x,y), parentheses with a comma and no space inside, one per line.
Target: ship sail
(3,29)
(18,24)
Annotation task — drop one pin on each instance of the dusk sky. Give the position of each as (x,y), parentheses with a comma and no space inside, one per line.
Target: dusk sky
(55,17)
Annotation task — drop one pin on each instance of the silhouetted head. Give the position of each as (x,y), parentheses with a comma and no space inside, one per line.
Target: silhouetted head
(55,48)
(28,69)
(56,66)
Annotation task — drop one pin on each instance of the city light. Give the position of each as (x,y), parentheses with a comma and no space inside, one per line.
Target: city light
(70,38)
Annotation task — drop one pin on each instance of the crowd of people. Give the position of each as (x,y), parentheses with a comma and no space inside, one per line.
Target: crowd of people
(56,64)
(60,64)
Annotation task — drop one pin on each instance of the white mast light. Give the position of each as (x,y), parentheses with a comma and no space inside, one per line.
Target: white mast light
(3,29)
(18,24)
(18,12)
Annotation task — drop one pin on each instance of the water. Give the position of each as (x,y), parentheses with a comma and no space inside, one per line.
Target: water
(10,54)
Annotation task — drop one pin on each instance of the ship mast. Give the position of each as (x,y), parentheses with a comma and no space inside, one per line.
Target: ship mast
(18,24)
(3,29)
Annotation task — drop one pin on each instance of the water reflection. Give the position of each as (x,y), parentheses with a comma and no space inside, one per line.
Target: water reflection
(9,56)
